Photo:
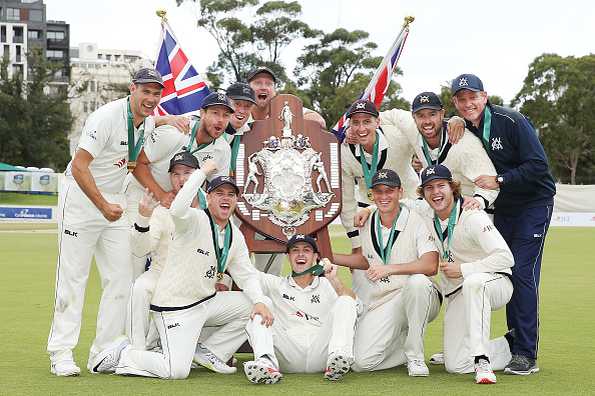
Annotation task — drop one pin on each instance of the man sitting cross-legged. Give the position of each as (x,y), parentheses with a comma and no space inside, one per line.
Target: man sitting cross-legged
(314,320)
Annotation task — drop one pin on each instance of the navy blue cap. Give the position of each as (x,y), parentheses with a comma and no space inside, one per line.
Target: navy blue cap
(466,81)
(435,172)
(260,69)
(386,177)
(426,100)
(241,91)
(297,238)
(362,106)
(147,75)
(183,158)
(217,99)
(221,180)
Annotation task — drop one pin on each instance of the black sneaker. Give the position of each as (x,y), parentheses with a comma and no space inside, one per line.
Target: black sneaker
(521,365)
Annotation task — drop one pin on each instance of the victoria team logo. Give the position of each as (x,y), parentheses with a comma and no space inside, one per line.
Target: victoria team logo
(497,144)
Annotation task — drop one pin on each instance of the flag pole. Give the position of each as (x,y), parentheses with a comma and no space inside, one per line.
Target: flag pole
(161,13)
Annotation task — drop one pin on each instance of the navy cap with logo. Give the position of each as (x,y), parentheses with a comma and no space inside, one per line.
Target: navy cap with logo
(260,69)
(362,106)
(183,158)
(435,172)
(241,91)
(216,99)
(386,177)
(147,75)
(426,100)
(221,180)
(466,81)
(297,238)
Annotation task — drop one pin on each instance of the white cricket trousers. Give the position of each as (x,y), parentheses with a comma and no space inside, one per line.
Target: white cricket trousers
(83,232)
(179,332)
(306,351)
(138,324)
(393,332)
(134,193)
(467,323)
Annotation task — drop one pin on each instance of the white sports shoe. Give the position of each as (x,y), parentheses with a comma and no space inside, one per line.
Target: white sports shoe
(484,373)
(107,360)
(65,368)
(337,366)
(262,371)
(206,358)
(437,358)
(417,368)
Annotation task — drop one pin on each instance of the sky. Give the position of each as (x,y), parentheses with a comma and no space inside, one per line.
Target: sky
(496,40)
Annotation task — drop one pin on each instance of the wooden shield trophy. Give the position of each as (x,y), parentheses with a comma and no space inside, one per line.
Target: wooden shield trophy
(288,172)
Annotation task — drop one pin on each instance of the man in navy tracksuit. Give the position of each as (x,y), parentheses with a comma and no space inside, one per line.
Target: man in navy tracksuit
(523,208)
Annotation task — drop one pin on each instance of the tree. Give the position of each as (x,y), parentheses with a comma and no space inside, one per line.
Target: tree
(557,96)
(35,118)
(244,46)
(337,69)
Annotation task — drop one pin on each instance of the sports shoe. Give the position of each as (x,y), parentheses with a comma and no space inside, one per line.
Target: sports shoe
(521,365)
(337,366)
(206,358)
(484,373)
(107,360)
(65,368)
(417,368)
(437,358)
(262,371)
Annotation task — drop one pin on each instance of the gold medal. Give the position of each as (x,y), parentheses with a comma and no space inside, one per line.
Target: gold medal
(370,196)
(131,165)
(219,276)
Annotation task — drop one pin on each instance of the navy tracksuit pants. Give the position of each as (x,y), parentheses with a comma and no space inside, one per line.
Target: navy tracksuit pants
(525,234)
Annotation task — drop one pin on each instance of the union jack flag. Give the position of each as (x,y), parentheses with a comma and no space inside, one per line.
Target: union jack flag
(184,88)
(379,84)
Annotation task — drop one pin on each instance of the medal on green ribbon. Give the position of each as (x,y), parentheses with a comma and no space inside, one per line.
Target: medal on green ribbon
(487,123)
(315,270)
(426,149)
(450,229)
(193,138)
(220,252)
(370,169)
(202,199)
(385,250)
(235,147)
(133,147)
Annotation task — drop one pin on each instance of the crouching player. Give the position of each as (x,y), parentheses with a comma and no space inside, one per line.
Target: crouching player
(151,235)
(314,320)
(204,245)
(475,271)
(399,297)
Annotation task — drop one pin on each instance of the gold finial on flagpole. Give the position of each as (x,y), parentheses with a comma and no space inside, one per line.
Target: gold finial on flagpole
(161,14)
(408,20)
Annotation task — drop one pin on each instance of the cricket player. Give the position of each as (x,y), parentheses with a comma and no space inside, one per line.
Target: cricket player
(164,142)
(523,209)
(466,159)
(151,236)
(91,221)
(314,320)
(262,80)
(359,162)
(243,99)
(391,277)
(475,272)
(205,244)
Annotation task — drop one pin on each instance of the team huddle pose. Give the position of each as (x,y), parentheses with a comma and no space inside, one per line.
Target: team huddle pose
(438,212)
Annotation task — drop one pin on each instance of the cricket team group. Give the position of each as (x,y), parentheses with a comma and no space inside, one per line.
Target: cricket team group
(439,212)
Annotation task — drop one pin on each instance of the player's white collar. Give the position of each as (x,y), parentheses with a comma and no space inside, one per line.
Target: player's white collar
(311,286)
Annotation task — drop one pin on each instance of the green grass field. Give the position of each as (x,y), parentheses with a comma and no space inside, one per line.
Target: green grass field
(8,198)
(27,287)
